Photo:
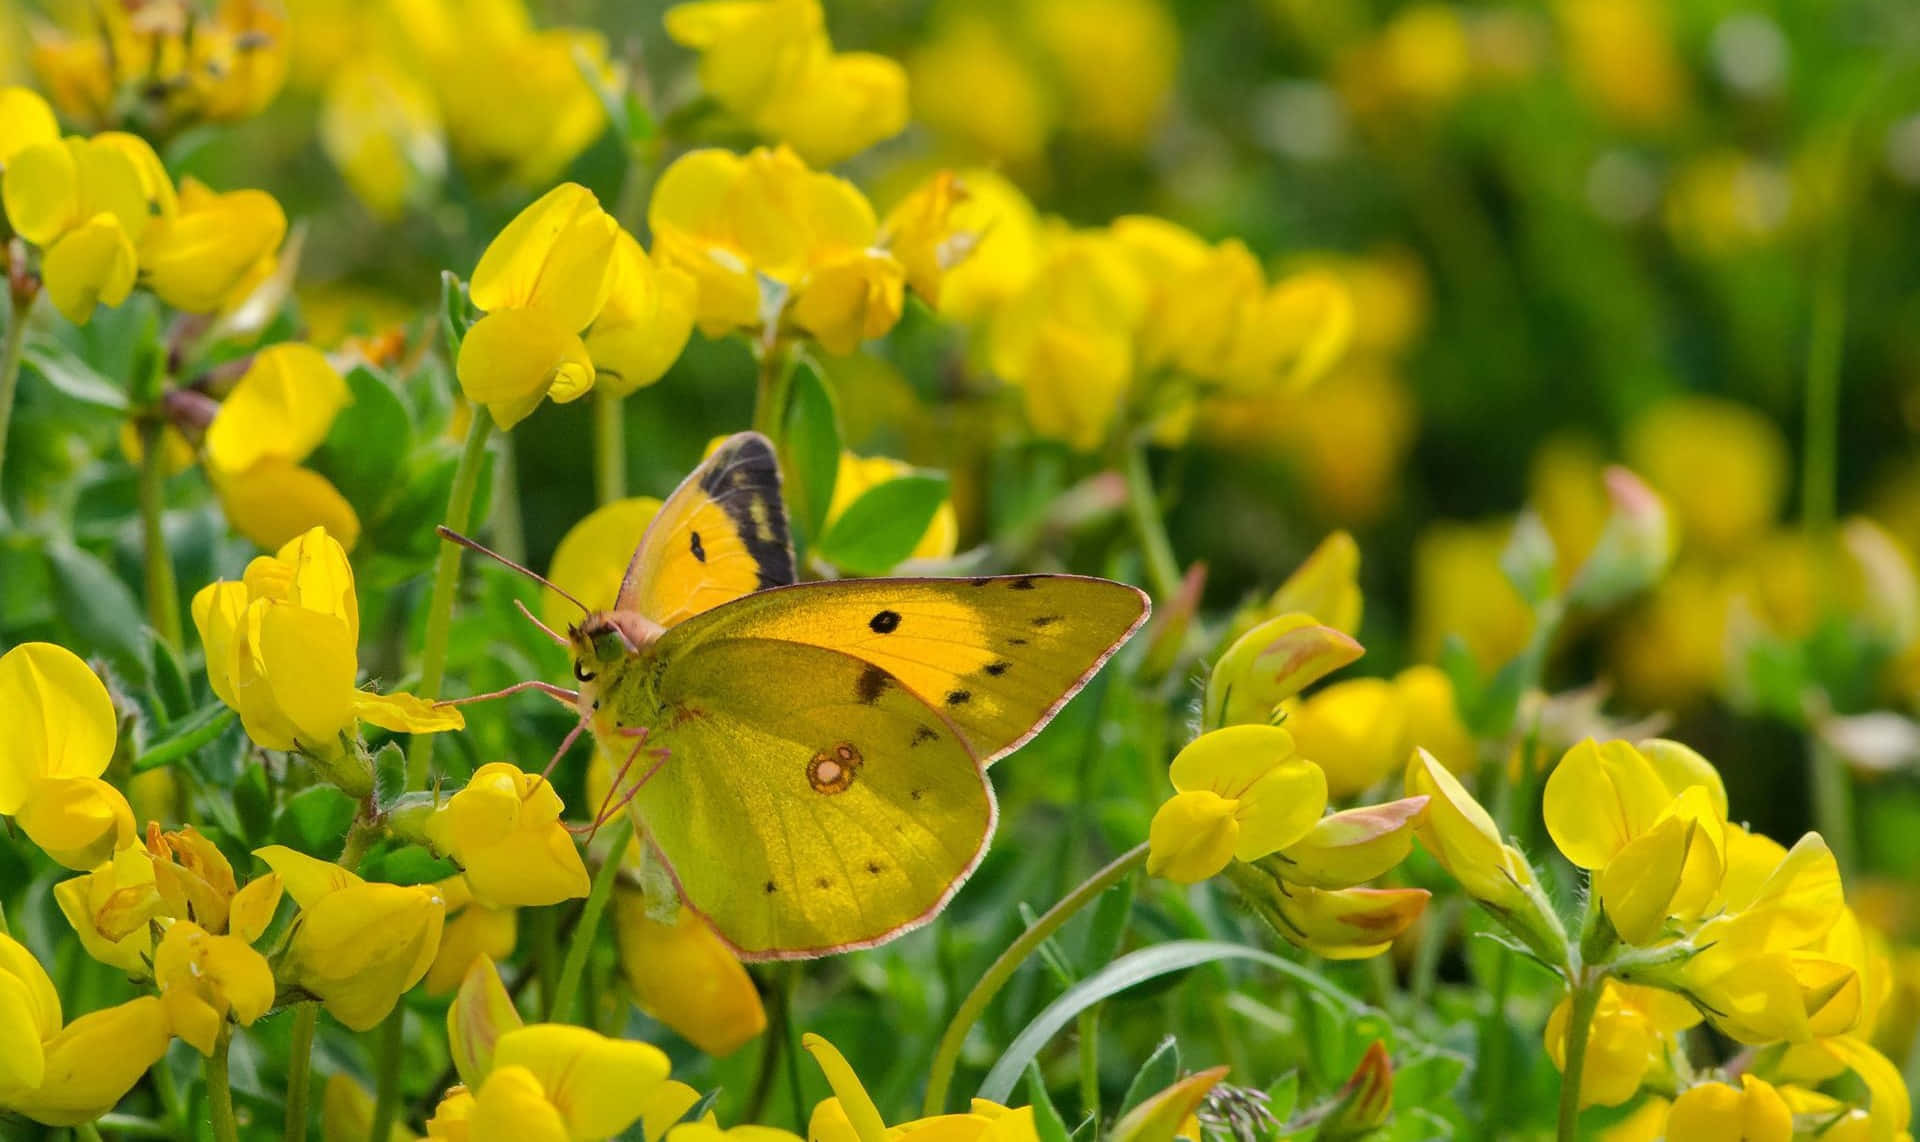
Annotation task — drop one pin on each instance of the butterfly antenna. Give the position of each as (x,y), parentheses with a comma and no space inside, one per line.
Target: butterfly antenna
(544,628)
(560,694)
(475,545)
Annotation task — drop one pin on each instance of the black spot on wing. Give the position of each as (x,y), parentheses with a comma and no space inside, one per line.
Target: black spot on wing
(1016,642)
(1024,583)
(873,683)
(997,668)
(699,552)
(770,888)
(886,622)
(1040,621)
(922,734)
(959,697)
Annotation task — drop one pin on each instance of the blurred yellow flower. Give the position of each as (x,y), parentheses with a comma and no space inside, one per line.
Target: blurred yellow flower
(25,121)
(1001,232)
(1716,1112)
(164,65)
(62,732)
(209,252)
(204,978)
(380,126)
(356,947)
(542,281)
(1459,589)
(504,830)
(770,63)
(684,975)
(64,1075)
(85,203)
(592,556)
(1270,664)
(279,412)
(1623,61)
(282,651)
(644,323)
(1243,793)
(978,92)
(1113,63)
(473,932)
(1355,730)
(1720,466)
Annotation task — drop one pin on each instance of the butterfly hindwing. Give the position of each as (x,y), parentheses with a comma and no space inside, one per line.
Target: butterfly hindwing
(809,802)
(997,656)
(721,535)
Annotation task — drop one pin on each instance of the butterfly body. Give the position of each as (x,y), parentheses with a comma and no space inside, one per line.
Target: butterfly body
(809,759)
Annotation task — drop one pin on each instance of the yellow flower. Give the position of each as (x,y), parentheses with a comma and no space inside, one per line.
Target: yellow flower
(25,120)
(1325,585)
(1355,730)
(1353,846)
(923,233)
(541,281)
(473,931)
(730,220)
(61,734)
(453,1117)
(851,1116)
(1462,837)
(1115,62)
(279,412)
(592,557)
(111,907)
(65,1075)
(504,831)
(974,87)
(1433,717)
(1623,60)
(282,649)
(552,1081)
(86,204)
(1716,1112)
(684,976)
(208,253)
(1459,589)
(1065,339)
(1242,795)
(1270,664)
(478,1016)
(1349,923)
(1000,231)
(1720,466)
(164,66)
(858,474)
(645,322)
(770,63)
(1632,1032)
(356,947)
(1604,795)
(346,1112)
(381,128)
(203,978)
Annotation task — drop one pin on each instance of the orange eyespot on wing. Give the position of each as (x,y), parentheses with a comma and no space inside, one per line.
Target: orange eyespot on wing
(720,535)
(997,656)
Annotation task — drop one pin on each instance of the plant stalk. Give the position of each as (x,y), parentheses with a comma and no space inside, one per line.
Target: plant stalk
(306,1018)
(609,447)
(163,594)
(772,390)
(1143,510)
(947,1056)
(386,1069)
(580,947)
(220,1089)
(10,353)
(446,577)
(1586,999)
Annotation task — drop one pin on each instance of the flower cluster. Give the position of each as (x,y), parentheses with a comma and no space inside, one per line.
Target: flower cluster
(104,213)
(570,301)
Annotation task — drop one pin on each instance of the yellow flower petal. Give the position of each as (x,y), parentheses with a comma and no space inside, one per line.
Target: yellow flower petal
(1350,923)
(1230,760)
(282,407)
(1716,1112)
(60,720)
(599,1085)
(1355,730)
(556,256)
(854,1101)
(481,1012)
(1192,837)
(1461,835)
(78,821)
(684,976)
(308,880)
(35,1003)
(406,713)
(1600,796)
(645,322)
(592,557)
(851,300)
(512,358)
(198,258)
(1354,846)
(359,948)
(1280,808)
(472,931)
(41,189)
(25,120)
(309,664)
(94,1061)
(253,907)
(276,500)
(513,1107)
(91,264)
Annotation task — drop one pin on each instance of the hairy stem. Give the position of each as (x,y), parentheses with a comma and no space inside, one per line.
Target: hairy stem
(446,577)
(580,947)
(1143,511)
(1586,998)
(306,1018)
(947,1056)
(609,447)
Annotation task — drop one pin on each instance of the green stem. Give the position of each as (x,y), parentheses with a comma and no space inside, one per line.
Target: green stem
(10,352)
(163,595)
(1492,1075)
(306,1017)
(360,837)
(609,447)
(1090,1065)
(446,576)
(560,1006)
(1833,805)
(770,393)
(1143,509)
(386,1070)
(796,1089)
(1825,341)
(220,1090)
(1586,999)
(509,536)
(947,1056)
(87,1132)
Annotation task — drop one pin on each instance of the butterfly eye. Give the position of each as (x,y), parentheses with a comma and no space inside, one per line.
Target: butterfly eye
(583,674)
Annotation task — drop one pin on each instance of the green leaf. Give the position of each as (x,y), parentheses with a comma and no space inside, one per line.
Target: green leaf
(169,674)
(389,773)
(102,615)
(315,821)
(253,805)
(1160,1071)
(366,439)
(183,737)
(72,377)
(812,447)
(1123,973)
(1108,927)
(406,864)
(699,1109)
(1047,1122)
(881,528)
(453,312)
(1283,1095)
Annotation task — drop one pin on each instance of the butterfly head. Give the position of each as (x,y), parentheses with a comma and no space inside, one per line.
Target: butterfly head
(606,640)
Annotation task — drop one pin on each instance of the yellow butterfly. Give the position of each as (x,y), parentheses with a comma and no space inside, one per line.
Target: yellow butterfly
(809,759)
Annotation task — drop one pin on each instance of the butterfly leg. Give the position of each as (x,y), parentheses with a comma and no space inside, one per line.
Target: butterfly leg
(608,805)
(566,743)
(560,694)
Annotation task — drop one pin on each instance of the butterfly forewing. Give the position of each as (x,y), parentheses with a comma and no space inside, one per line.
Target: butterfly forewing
(720,535)
(810,803)
(998,656)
